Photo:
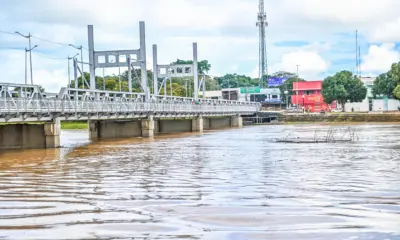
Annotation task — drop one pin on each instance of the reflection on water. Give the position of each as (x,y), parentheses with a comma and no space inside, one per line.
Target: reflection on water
(233,184)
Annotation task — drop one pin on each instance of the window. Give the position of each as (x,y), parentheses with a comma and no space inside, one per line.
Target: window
(309,92)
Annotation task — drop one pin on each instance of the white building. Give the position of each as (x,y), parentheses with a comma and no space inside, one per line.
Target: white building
(369,104)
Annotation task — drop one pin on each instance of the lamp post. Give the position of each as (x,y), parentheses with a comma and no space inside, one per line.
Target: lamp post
(26,64)
(69,74)
(30,52)
(81,49)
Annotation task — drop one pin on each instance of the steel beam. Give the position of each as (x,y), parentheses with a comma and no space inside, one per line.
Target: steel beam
(155,70)
(195,72)
(143,60)
(92,67)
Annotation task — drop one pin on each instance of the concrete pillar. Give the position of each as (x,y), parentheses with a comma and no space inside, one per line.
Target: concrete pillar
(148,127)
(93,127)
(237,121)
(52,132)
(197,124)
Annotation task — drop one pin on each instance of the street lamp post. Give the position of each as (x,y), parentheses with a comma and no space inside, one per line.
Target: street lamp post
(26,64)
(30,52)
(69,74)
(83,74)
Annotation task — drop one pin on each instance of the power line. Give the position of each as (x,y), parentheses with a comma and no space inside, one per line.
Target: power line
(42,39)
(47,56)
(13,48)
(36,53)
(6,32)
(45,40)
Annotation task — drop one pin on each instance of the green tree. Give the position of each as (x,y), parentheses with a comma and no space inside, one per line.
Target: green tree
(394,72)
(202,66)
(288,86)
(396,92)
(343,87)
(384,84)
(236,80)
(283,74)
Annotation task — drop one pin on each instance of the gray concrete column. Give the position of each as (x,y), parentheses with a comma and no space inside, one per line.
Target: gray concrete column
(52,132)
(237,121)
(197,124)
(93,128)
(148,127)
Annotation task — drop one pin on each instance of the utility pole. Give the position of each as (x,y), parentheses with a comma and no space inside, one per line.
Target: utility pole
(30,51)
(262,24)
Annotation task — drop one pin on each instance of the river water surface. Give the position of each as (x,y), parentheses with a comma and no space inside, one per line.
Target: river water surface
(229,184)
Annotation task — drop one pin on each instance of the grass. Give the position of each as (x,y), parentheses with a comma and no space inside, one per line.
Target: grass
(74,125)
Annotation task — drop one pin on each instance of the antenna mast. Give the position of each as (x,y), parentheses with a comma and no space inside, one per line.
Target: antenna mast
(262,24)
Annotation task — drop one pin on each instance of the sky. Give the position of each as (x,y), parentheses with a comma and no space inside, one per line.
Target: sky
(319,36)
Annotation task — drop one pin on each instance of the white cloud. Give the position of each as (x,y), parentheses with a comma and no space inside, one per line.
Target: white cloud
(226,36)
(380,58)
(311,64)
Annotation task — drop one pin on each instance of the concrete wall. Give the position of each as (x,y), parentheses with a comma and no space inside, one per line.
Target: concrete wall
(373,117)
(28,136)
(118,129)
(216,123)
(170,126)
(358,107)
(377,105)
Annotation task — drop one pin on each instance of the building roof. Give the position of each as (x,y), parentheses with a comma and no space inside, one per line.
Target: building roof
(311,85)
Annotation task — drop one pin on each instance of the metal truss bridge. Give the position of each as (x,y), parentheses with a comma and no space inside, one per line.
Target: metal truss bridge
(27,104)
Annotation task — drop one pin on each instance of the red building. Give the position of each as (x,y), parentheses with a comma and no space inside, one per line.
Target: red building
(308,95)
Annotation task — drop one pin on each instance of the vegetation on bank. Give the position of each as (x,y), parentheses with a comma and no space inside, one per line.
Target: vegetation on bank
(74,125)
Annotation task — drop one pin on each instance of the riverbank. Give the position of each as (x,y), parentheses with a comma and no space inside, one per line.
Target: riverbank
(344,117)
(74,125)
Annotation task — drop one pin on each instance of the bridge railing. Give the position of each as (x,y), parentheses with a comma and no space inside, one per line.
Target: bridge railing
(62,106)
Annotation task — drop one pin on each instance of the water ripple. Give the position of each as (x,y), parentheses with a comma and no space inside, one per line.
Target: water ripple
(231,184)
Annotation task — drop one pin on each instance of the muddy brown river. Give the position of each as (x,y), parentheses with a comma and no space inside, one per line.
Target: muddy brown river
(229,184)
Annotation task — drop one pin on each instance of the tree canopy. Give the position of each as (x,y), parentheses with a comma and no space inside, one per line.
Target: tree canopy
(283,74)
(384,84)
(343,87)
(236,80)
(396,92)
(202,66)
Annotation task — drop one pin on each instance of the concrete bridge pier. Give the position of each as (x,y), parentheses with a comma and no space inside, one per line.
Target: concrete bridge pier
(197,124)
(93,129)
(237,121)
(52,131)
(147,126)
(104,129)
(30,136)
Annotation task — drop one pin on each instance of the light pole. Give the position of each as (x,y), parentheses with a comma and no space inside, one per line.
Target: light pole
(30,52)
(26,64)
(80,48)
(69,74)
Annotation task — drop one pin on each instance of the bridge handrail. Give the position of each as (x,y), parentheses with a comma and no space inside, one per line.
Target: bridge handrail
(62,106)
